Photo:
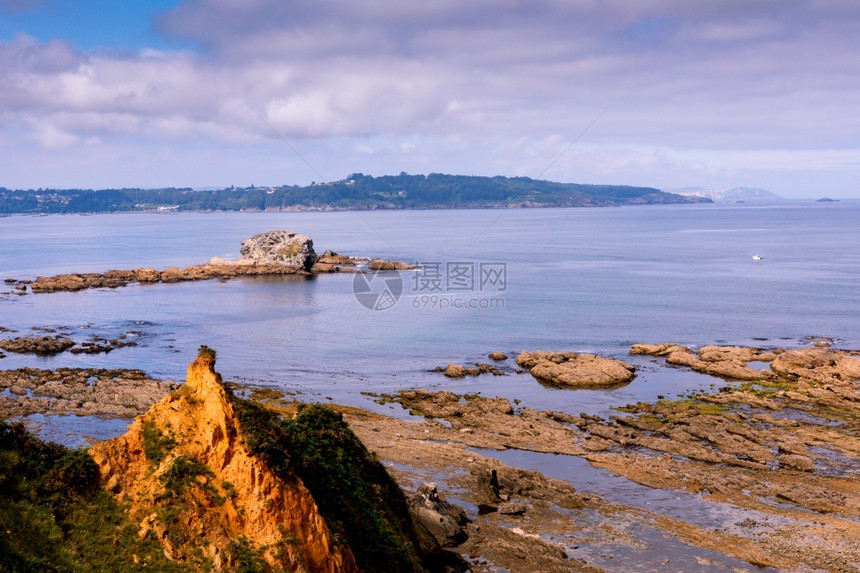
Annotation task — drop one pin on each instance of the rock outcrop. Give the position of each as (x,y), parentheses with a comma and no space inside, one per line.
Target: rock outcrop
(459,371)
(283,248)
(728,362)
(216,268)
(444,521)
(39,345)
(79,392)
(193,482)
(383,265)
(817,364)
(331,262)
(568,369)
(266,254)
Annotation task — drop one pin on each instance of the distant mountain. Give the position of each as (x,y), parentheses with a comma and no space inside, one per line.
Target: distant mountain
(750,194)
(358,191)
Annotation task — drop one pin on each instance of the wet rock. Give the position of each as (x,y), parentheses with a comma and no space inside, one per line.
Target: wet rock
(818,364)
(79,391)
(454,371)
(449,405)
(172,275)
(383,265)
(147,275)
(457,371)
(568,369)
(331,262)
(66,282)
(497,355)
(40,345)
(332,258)
(91,348)
(445,521)
(728,362)
(279,248)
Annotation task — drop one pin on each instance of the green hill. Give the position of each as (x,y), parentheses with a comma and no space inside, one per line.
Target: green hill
(358,191)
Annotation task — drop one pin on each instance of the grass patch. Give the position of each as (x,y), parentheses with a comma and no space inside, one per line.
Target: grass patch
(54,516)
(156,445)
(668,407)
(182,473)
(244,558)
(207,352)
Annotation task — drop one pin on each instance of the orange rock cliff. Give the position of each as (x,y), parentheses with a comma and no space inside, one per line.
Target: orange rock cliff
(191,481)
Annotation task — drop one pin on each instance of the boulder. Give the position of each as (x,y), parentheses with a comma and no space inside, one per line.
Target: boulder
(445,522)
(497,355)
(817,364)
(454,371)
(569,369)
(280,248)
(147,275)
(512,508)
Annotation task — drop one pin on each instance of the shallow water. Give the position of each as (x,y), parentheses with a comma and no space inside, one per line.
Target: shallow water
(595,280)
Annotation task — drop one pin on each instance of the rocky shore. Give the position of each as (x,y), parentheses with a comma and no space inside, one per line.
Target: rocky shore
(79,392)
(47,345)
(776,458)
(762,471)
(267,254)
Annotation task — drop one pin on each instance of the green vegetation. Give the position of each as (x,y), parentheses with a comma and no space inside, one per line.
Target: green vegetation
(156,445)
(244,557)
(667,407)
(54,517)
(182,473)
(360,502)
(358,191)
(207,352)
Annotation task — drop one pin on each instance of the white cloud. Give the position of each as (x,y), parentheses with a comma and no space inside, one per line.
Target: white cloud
(485,86)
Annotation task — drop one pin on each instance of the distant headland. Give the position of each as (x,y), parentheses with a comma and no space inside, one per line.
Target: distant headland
(356,192)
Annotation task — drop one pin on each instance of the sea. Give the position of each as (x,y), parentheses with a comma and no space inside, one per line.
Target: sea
(580,279)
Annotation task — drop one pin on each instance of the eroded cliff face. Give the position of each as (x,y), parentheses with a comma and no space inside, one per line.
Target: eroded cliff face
(191,481)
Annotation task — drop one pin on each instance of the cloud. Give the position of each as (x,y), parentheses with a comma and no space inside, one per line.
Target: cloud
(485,84)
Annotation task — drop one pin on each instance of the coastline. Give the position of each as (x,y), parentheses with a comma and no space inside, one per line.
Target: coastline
(764,471)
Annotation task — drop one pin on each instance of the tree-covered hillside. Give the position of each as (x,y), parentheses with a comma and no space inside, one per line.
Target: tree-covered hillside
(357,191)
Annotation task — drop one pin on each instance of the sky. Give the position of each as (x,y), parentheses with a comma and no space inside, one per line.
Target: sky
(211,93)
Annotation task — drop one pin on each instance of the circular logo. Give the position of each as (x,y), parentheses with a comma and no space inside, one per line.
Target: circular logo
(377,290)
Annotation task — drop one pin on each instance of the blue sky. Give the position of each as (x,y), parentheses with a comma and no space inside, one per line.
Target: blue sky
(88,24)
(713,93)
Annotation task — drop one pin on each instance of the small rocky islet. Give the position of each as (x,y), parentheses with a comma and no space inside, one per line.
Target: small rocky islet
(271,253)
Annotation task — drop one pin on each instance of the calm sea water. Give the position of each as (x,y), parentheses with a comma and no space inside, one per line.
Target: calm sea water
(593,280)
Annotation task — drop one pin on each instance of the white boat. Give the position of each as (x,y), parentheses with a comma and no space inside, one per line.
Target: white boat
(757,257)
